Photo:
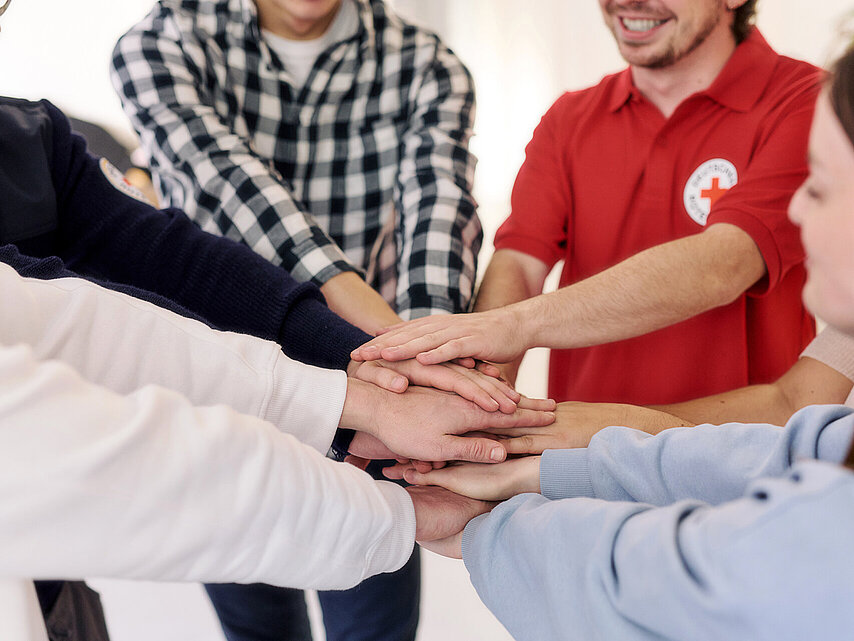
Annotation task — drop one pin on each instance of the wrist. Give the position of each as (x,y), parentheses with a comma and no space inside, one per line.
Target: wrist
(526,477)
(360,405)
(524,322)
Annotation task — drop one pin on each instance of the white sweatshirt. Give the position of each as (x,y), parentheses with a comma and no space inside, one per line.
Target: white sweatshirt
(94,483)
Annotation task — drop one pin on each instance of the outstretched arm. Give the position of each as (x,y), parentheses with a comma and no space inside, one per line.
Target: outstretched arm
(708,462)
(147,486)
(653,289)
(587,568)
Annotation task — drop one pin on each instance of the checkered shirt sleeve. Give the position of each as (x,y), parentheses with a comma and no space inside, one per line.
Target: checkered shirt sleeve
(439,233)
(366,168)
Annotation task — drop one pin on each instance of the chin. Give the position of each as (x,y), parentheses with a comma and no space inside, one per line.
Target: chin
(837,311)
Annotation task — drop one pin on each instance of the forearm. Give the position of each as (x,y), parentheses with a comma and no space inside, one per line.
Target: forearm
(242,501)
(653,289)
(807,382)
(354,300)
(707,462)
(583,569)
(75,321)
(753,404)
(511,277)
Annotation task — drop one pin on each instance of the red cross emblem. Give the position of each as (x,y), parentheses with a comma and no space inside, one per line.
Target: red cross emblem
(713,193)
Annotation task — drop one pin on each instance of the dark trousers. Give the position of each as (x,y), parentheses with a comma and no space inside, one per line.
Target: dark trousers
(72,611)
(382,608)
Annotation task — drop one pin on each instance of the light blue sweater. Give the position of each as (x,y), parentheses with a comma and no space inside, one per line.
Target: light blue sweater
(733,532)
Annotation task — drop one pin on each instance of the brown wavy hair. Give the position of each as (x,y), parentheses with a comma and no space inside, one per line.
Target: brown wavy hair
(745,16)
(840,92)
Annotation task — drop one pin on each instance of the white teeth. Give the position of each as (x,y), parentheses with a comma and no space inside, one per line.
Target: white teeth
(640,24)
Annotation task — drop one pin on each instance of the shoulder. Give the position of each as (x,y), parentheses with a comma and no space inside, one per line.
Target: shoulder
(577,104)
(200,19)
(19,117)
(396,37)
(796,76)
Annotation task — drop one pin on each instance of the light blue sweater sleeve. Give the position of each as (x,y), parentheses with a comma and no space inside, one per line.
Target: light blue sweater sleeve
(712,463)
(773,561)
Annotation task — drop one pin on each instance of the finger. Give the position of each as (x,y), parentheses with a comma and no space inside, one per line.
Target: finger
(488,369)
(544,404)
(408,345)
(476,450)
(422,466)
(468,363)
(431,353)
(519,418)
(497,388)
(508,432)
(486,392)
(382,377)
(528,444)
(458,381)
(396,472)
(418,477)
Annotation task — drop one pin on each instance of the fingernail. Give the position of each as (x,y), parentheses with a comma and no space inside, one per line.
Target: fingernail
(496,454)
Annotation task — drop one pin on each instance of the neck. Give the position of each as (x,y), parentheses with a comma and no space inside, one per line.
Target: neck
(291,27)
(667,87)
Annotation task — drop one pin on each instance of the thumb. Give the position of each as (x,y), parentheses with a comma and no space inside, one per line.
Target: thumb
(476,450)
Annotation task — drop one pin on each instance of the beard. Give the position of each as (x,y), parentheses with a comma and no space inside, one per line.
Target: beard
(674,50)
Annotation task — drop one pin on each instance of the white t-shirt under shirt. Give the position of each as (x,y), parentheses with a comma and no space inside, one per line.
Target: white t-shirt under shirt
(299,56)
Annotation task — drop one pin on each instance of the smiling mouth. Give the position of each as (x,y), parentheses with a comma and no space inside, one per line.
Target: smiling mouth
(640,25)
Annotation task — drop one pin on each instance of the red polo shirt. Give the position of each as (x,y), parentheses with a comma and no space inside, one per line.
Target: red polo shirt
(606,176)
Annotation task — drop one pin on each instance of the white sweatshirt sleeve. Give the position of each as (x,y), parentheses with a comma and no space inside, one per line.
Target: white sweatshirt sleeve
(146,486)
(124,343)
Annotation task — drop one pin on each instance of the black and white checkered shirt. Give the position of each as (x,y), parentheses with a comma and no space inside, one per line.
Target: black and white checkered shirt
(366,167)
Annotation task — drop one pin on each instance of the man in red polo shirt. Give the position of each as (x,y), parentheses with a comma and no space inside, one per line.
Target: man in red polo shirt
(664,188)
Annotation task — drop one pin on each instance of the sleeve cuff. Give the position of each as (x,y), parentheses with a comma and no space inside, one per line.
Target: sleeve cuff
(565,474)
(393,550)
(469,534)
(310,413)
(765,241)
(313,333)
(531,246)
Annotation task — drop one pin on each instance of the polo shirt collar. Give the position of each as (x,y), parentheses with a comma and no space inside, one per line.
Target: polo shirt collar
(755,59)
(624,90)
(754,56)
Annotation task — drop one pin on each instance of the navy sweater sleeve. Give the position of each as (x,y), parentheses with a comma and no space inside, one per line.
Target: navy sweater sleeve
(52,267)
(107,234)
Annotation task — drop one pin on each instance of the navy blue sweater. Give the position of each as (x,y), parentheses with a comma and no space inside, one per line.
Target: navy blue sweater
(58,200)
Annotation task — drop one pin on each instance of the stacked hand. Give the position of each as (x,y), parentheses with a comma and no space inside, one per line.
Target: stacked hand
(479,385)
(497,335)
(423,414)
(441,516)
(430,425)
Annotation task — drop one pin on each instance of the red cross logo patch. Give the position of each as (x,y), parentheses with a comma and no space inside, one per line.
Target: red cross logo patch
(709,182)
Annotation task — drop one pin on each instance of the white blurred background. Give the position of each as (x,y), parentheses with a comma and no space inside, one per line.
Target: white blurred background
(522,54)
